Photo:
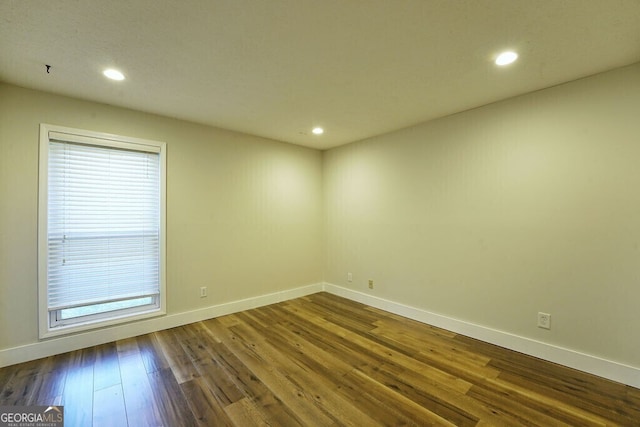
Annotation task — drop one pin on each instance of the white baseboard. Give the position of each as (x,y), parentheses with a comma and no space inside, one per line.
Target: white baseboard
(66,343)
(614,371)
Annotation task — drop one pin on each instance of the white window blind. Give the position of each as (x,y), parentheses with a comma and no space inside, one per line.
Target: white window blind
(103,233)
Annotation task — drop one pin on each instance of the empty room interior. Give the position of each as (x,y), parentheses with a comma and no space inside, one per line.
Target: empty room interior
(412,212)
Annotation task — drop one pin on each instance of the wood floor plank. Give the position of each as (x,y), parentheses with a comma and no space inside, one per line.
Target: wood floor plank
(581,397)
(139,400)
(314,353)
(445,404)
(410,326)
(557,409)
(18,391)
(6,374)
(316,388)
(586,392)
(106,367)
(518,410)
(178,360)
(51,387)
(432,343)
(364,345)
(109,409)
(318,360)
(26,382)
(169,399)
(332,338)
(151,353)
(205,407)
(441,399)
(245,413)
(344,386)
(212,373)
(271,408)
(271,368)
(355,321)
(78,388)
(389,405)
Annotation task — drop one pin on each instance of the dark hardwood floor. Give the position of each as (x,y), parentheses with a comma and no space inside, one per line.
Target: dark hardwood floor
(315,361)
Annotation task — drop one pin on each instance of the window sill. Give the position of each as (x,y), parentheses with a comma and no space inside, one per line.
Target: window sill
(99,324)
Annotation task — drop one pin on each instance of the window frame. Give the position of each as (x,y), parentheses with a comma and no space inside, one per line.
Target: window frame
(46,329)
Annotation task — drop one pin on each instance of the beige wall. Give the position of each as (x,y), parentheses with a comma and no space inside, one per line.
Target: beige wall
(244,214)
(494,214)
(487,216)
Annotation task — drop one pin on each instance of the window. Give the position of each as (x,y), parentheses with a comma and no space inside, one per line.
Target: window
(101,229)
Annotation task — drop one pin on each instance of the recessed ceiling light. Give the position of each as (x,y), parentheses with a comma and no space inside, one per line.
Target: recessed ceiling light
(506,58)
(318,131)
(113,74)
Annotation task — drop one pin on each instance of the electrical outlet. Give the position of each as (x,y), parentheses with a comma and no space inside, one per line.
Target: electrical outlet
(370,284)
(544,320)
(349,277)
(203,291)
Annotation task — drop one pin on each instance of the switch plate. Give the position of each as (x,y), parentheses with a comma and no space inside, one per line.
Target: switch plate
(349,277)
(203,291)
(370,284)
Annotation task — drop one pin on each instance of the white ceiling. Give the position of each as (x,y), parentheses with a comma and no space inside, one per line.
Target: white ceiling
(276,68)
